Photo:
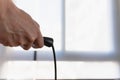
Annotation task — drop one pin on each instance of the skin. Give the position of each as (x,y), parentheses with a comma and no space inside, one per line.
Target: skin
(17,28)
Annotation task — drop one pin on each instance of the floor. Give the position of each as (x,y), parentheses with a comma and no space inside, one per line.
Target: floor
(60,79)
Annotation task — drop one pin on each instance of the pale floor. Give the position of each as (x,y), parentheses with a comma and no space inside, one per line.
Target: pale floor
(21,70)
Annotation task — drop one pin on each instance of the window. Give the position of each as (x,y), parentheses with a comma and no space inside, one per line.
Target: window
(83,31)
(89,26)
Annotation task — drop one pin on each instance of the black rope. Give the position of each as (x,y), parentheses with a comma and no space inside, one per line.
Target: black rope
(49,43)
(55,62)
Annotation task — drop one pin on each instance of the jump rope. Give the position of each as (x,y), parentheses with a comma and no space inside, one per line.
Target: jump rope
(49,43)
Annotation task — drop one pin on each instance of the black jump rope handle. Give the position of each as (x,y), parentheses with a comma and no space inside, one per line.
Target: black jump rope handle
(49,43)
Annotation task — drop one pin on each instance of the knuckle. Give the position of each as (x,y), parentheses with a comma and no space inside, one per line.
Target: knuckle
(5,43)
(37,45)
(26,46)
(32,39)
(29,37)
(40,45)
(11,44)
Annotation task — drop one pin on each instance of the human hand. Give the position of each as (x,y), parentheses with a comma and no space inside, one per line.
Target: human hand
(17,28)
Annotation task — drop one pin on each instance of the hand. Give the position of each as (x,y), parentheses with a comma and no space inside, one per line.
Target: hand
(17,28)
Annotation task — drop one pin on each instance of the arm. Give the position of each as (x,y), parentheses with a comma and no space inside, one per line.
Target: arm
(17,28)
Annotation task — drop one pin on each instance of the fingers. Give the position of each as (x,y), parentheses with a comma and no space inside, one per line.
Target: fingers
(10,43)
(13,40)
(26,46)
(39,42)
(10,40)
(26,42)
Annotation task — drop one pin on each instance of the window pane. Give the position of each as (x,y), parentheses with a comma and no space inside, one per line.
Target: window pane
(89,25)
(48,14)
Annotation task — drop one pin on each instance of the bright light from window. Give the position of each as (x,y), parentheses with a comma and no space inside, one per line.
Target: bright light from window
(89,25)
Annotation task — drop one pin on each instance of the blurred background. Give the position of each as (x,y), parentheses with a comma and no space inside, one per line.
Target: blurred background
(86,40)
